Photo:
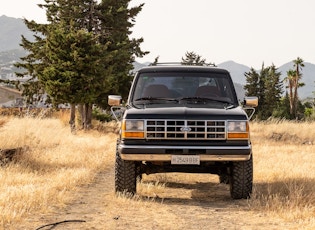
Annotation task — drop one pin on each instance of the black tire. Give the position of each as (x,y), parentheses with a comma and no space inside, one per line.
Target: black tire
(125,176)
(241,179)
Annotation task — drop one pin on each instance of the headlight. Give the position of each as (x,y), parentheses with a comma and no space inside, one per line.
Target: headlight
(238,130)
(237,126)
(133,129)
(134,125)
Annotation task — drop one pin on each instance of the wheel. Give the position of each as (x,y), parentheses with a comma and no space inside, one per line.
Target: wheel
(125,176)
(241,179)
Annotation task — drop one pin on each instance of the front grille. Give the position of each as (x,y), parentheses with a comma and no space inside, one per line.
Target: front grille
(185,129)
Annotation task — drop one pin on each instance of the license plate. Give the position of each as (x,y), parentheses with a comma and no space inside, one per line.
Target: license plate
(185,160)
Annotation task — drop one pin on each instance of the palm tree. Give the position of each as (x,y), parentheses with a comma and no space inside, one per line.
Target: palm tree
(293,78)
(290,79)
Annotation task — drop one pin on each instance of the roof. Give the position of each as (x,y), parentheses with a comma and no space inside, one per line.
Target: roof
(8,94)
(179,68)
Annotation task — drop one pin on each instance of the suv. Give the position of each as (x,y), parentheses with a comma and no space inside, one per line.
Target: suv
(181,118)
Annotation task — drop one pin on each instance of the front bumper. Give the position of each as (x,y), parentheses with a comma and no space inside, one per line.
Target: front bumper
(164,153)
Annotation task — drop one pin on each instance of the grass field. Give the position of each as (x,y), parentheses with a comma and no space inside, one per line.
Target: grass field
(53,164)
(284,169)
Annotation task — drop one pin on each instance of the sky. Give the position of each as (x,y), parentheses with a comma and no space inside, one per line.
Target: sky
(249,32)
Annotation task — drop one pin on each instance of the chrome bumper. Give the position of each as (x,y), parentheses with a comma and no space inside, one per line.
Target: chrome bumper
(167,157)
(158,153)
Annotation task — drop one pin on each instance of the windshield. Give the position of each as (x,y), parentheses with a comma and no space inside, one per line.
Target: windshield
(183,87)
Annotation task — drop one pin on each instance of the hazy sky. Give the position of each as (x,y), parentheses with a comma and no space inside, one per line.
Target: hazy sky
(249,32)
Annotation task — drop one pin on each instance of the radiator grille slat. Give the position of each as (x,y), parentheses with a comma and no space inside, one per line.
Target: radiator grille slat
(185,129)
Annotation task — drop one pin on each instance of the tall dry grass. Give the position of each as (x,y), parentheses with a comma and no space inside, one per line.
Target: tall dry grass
(284,172)
(284,169)
(53,162)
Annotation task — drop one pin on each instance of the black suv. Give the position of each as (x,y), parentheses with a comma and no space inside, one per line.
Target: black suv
(181,118)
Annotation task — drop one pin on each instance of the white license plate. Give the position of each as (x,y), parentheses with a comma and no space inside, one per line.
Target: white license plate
(185,160)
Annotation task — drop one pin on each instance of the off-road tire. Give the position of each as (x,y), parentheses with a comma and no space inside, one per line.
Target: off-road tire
(125,176)
(241,179)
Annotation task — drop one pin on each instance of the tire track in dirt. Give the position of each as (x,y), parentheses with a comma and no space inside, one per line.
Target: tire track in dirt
(88,205)
(178,206)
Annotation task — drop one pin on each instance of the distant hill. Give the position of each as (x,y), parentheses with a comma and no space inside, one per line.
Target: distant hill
(308,78)
(11,30)
(237,72)
(10,52)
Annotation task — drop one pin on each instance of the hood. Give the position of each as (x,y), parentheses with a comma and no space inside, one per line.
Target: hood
(185,113)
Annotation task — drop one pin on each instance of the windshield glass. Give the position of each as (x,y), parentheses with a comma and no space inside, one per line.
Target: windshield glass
(183,87)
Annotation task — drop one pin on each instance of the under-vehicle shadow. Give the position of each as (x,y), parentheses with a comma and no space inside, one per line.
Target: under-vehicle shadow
(202,194)
(215,195)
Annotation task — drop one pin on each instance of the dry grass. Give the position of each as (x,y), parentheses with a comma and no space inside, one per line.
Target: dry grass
(145,213)
(52,164)
(284,172)
(284,169)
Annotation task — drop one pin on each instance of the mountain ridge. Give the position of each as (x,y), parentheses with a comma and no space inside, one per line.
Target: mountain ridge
(10,51)
(11,31)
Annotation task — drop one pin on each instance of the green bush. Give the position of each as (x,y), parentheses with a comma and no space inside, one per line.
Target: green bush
(97,114)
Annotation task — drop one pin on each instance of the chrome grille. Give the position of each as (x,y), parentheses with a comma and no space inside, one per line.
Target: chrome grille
(185,129)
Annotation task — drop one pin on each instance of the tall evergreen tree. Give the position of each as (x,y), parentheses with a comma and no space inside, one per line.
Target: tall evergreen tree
(252,82)
(117,19)
(253,87)
(273,90)
(82,53)
(70,62)
(267,86)
(33,63)
(191,58)
(283,109)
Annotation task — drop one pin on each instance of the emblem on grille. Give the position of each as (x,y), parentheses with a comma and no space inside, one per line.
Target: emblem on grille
(185,129)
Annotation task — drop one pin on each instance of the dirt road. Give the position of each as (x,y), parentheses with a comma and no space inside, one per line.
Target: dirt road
(185,205)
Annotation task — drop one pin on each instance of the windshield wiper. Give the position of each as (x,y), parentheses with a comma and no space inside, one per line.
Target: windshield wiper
(207,99)
(203,99)
(156,99)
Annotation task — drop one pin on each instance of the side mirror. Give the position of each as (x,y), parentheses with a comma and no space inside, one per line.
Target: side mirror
(116,109)
(251,101)
(114,100)
(249,104)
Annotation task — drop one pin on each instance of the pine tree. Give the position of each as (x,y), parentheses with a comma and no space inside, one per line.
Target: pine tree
(82,53)
(33,63)
(267,86)
(117,19)
(191,58)
(72,65)
(252,80)
(273,91)
(283,109)
(252,86)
